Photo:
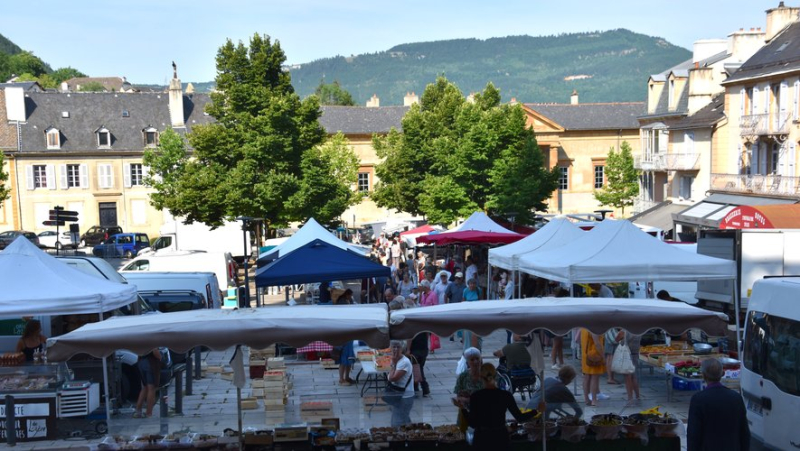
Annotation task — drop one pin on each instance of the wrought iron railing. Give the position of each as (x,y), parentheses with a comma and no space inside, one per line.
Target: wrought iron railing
(756,184)
(667,162)
(753,125)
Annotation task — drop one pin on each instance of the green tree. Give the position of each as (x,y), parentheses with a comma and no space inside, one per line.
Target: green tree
(65,73)
(333,94)
(260,156)
(455,157)
(92,86)
(622,179)
(27,62)
(4,190)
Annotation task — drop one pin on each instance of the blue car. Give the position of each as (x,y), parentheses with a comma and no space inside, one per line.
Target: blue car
(124,245)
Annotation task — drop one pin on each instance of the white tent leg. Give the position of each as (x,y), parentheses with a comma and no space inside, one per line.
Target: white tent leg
(106,390)
(737,305)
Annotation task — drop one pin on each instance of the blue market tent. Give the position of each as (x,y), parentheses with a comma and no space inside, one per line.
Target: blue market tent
(318,261)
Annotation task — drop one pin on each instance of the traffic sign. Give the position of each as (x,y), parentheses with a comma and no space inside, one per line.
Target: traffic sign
(53,223)
(58,214)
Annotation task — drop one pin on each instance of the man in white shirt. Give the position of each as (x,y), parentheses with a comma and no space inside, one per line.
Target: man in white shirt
(472,269)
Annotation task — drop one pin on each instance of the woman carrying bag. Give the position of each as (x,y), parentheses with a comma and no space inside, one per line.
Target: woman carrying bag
(399,394)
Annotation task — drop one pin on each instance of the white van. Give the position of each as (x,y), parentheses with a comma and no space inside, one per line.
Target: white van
(770,376)
(94,266)
(204,283)
(221,264)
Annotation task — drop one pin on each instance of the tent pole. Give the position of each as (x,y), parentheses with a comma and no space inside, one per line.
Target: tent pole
(105,383)
(488,279)
(239,414)
(737,305)
(544,414)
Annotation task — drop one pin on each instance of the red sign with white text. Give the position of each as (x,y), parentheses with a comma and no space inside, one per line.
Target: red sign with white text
(745,217)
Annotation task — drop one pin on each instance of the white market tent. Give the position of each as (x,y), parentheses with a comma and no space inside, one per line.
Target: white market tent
(310,231)
(480,222)
(37,284)
(617,251)
(221,329)
(555,234)
(557,315)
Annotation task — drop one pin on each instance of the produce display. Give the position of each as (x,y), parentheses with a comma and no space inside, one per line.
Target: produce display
(687,368)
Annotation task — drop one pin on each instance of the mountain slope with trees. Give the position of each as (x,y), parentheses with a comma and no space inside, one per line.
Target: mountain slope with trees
(603,66)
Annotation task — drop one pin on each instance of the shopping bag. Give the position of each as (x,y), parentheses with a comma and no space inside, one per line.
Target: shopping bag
(621,362)
(435,343)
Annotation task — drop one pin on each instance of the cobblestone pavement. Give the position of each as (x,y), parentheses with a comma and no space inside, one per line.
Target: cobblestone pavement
(213,405)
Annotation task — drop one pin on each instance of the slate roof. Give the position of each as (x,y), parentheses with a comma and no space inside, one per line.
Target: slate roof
(356,120)
(592,116)
(88,111)
(781,55)
(705,117)
(25,85)
(680,70)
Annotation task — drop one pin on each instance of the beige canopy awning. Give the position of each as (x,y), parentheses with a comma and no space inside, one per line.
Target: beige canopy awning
(557,315)
(221,329)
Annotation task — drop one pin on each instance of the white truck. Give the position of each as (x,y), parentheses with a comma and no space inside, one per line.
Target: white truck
(174,235)
(757,253)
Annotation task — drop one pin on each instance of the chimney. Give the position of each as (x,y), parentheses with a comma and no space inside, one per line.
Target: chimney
(513,101)
(410,99)
(471,97)
(743,44)
(778,18)
(15,104)
(374,102)
(573,99)
(704,48)
(176,99)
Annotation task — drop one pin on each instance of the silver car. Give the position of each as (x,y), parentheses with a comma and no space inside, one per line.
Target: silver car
(51,240)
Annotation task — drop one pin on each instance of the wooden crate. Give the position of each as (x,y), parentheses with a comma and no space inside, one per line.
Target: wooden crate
(275,362)
(328,364)
(249,403)
(273,375)
(257,383)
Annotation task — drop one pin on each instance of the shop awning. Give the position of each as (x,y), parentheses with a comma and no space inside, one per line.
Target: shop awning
(709,212)
(762,217)
(659,216)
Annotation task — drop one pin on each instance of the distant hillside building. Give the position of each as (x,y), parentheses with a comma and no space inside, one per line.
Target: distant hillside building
(111,84)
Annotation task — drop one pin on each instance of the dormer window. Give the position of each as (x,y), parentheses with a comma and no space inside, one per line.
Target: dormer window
(150,137)
(53,137)
(103,137)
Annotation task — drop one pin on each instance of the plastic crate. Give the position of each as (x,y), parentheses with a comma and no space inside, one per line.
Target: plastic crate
(679,383)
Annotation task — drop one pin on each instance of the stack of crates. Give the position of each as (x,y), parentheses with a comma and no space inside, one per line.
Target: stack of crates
(258,361)
(275,390)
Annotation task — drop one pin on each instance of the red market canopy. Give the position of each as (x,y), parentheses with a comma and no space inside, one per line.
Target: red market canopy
(470,237)
(419,230)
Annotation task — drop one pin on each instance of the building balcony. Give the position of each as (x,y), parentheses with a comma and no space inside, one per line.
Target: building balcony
(756,184)
(754,125)
(667,162)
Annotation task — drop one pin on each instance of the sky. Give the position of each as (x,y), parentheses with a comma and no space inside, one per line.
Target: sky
(139,39)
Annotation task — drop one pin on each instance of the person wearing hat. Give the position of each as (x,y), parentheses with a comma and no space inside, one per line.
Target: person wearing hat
(455,291)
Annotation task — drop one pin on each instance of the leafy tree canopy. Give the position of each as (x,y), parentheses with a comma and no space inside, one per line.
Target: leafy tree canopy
(261,158)
(92,86)
(622,179)
(333,94)
(456,156)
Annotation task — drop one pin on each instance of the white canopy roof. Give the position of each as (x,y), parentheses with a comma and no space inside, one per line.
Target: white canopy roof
(617,251)
(221,329)
(478,221)
(311,231)
(557,315)
(34,283)
(555,234)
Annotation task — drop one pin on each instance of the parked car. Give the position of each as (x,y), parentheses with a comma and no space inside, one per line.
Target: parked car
(52,240)
(7,238)
(168,301)
(122,245)
(97,234)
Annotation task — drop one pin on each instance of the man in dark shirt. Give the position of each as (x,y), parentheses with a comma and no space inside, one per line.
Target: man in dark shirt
(455,291)
(516,354)
(717,416)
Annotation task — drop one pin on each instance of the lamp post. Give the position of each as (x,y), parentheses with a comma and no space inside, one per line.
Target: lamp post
(245,220)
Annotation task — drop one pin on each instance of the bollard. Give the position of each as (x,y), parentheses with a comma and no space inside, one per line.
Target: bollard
(11,421)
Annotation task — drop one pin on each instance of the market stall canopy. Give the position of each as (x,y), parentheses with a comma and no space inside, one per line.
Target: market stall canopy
(762,217)
(318,261)
(479,221)
(557,315)
(410,236)
(470,237)
(310,231)
(616,251)
(37,284)
(555,234)
(221,329)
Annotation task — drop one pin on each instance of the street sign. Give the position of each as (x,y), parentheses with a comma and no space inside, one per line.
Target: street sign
(53,223)
(58,214)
